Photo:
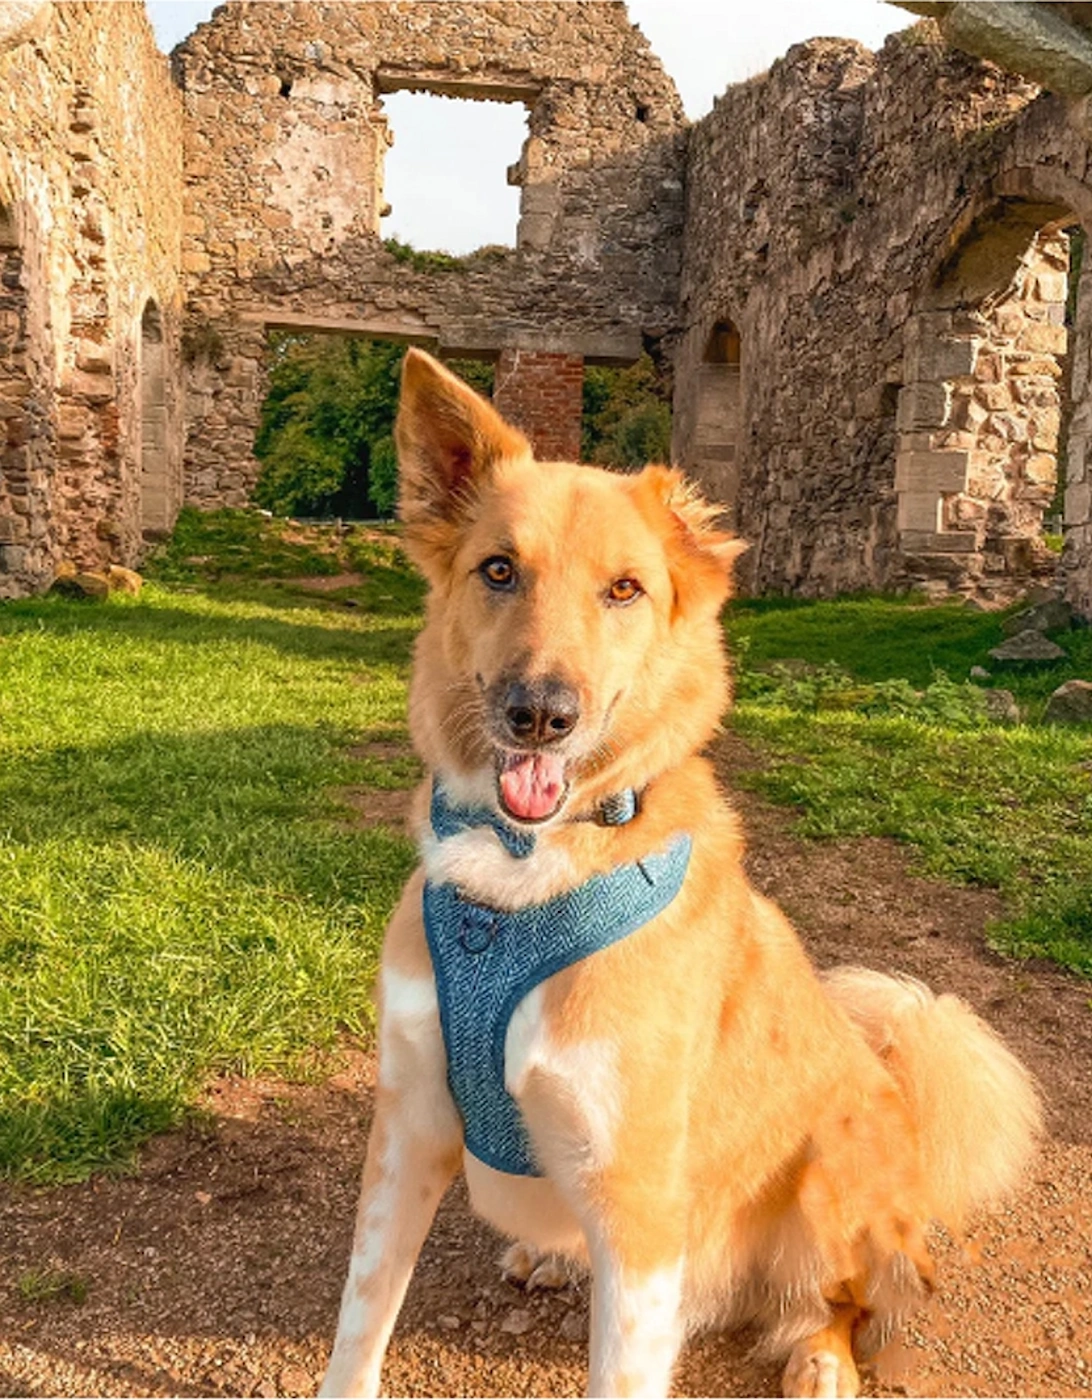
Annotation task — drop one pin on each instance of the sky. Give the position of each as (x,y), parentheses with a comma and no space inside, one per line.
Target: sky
(445,175)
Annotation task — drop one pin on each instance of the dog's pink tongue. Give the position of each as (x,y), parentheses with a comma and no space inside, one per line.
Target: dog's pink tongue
(531,784)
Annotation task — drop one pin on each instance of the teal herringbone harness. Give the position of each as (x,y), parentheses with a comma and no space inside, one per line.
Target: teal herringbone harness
(487,960)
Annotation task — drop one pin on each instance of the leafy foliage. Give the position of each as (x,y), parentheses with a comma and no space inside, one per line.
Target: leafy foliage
(327,416)
(422,260)
(325,439)
(627,415)
(823,689)
(326,433)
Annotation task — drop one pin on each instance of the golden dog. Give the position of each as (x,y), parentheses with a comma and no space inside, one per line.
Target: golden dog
(715,1129)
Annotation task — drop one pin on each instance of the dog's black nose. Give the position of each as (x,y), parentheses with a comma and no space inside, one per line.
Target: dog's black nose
(541,711)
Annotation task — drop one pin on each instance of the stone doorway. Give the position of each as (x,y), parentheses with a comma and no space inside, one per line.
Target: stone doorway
(324,443)
(984,402)
(719,418)
(157,515)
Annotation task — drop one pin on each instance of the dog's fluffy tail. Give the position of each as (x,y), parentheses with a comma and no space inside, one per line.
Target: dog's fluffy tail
(975,1106)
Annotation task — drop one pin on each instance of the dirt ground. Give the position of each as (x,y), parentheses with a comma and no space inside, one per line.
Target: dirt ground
(216,1269)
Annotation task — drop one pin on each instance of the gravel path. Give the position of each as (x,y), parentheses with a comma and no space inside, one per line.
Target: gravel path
(216,1269)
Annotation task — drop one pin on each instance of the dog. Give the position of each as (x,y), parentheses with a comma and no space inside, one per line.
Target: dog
(584,1005)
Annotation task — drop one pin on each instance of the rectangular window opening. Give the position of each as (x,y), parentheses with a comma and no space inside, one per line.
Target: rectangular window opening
(446,180)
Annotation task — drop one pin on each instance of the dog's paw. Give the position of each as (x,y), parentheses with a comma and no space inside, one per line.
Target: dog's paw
(552,1273)
(523,1264)
(518,1262)
(820,1373)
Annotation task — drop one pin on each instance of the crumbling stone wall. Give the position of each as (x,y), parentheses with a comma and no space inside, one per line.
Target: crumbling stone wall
(885,233)
(285,138)
(90,229)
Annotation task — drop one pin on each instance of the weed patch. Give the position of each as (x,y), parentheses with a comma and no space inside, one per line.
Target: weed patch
(51,1285)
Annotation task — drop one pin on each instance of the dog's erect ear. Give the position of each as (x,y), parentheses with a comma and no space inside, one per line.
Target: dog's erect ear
(449,439)
(702,554)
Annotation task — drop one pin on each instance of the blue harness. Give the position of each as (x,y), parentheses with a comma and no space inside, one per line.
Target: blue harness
(487,960)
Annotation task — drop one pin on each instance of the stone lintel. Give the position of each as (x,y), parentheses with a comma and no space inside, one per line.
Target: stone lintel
(481,87)
(412,332)
(594,347)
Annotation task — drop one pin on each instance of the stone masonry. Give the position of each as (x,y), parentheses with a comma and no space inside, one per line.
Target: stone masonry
(90,238)
(285,140)
(884,236)
(858,263)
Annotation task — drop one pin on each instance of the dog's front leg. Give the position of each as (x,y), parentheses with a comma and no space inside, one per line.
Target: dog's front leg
(413,1153)
(637,1324)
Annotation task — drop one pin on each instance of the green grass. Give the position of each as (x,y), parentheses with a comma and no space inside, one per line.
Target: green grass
(180,891)
(876,743)
(878,638)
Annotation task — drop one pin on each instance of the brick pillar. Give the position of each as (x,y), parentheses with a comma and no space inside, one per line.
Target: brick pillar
(543,393)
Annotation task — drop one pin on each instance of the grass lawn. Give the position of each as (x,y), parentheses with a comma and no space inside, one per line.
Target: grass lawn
(182,890)
(889,739)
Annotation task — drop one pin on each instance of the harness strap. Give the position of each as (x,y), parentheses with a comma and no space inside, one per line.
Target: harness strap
(487,960)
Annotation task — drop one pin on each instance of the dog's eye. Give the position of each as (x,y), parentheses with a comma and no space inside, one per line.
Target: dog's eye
(624,590)
(498,572)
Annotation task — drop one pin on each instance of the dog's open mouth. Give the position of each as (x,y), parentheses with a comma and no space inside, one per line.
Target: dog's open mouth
(531,785)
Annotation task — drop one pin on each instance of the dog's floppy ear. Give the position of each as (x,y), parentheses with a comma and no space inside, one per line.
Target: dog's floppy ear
(701,555)
(449,439)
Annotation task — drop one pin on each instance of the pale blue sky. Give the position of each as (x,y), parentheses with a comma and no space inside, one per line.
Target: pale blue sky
(445,173)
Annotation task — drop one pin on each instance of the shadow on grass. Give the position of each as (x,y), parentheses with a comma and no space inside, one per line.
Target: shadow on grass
(353,639)
(172,906)
(254,802)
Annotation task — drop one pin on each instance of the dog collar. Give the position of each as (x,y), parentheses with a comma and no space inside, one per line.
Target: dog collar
(487,960)
(619,809)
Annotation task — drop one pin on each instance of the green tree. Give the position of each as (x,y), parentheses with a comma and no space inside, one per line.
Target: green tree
(325,438)
(627,415)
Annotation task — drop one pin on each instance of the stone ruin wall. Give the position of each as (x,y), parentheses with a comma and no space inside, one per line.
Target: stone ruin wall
(881,233)
(864,293)
(90,228)
(285,140)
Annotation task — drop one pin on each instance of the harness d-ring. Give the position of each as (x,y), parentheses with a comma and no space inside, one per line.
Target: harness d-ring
(477,927)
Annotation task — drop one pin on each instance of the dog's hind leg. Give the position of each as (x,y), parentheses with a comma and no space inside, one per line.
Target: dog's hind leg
(823,1364)
(523,1264)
